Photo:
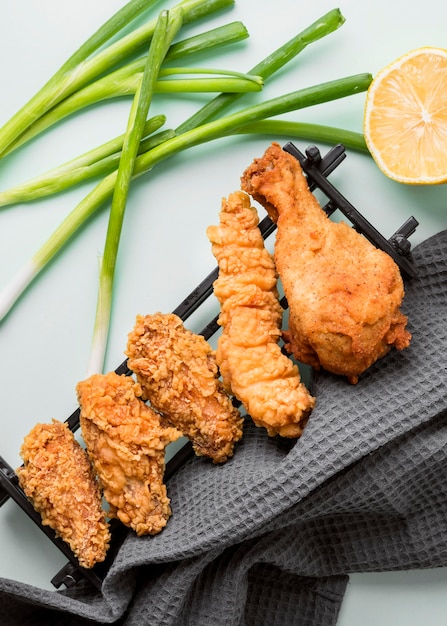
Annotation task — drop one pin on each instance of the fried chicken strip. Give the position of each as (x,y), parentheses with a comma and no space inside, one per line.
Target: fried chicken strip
(126,442)
(58,479)
(252,365)
(178,374)
(343,293)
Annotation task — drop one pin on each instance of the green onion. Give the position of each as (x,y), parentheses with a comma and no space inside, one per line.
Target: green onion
(81,68)
(168,24)
(99,161)
(231,124)
(208,40)
(326,24)
(322,27)
(308,131)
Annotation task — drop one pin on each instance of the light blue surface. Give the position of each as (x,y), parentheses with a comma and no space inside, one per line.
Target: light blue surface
(165,253)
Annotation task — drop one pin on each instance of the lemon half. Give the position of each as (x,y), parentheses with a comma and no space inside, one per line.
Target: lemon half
(405,121)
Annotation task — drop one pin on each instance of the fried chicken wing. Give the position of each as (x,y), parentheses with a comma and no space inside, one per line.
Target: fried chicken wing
(252,365)
(179,376)
(344,294)
(126,442)
(58,479)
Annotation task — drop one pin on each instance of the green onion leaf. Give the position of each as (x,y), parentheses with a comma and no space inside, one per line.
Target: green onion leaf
(307,131)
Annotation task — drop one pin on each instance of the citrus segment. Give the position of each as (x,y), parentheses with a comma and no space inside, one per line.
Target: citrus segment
(405,122)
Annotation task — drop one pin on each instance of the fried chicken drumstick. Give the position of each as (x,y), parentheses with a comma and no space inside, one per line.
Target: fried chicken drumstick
(126,442)
(343,293)
(252,365)
(58,479)
(178,374)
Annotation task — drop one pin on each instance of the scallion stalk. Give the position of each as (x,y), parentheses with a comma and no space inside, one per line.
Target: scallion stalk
(267,67)
(206,41)
(168,24)
(120,83)
(322,27)
(308,131)
(117,52)
(97,162)
(230,124)
(93,164)
(54,89)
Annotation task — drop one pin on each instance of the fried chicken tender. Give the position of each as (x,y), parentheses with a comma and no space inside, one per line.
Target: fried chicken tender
(343,293)
(178,374)
(58,479)
(126,442)
(252,365)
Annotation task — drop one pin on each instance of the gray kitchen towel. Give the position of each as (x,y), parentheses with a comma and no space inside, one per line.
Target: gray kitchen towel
(272,536)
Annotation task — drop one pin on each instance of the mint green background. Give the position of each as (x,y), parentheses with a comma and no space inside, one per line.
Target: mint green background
(165,253)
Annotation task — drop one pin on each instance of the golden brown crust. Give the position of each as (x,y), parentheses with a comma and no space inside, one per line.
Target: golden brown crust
(58,479)
(126,443)
(249,357)
(178,374)
(343,293)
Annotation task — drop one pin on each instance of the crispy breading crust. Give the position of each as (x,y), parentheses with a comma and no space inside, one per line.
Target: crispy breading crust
(343,293)
(252,365)
(58,479)
(126,442)
(178,374)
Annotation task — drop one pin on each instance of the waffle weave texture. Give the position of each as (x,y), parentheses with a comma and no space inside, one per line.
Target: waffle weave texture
(271,537)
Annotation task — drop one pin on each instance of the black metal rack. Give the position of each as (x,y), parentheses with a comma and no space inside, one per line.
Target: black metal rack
(316,168)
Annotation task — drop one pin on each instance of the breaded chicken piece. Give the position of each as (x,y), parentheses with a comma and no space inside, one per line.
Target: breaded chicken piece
(126,442)
(179,376)
(58,479)
(343,293)
(252,365)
